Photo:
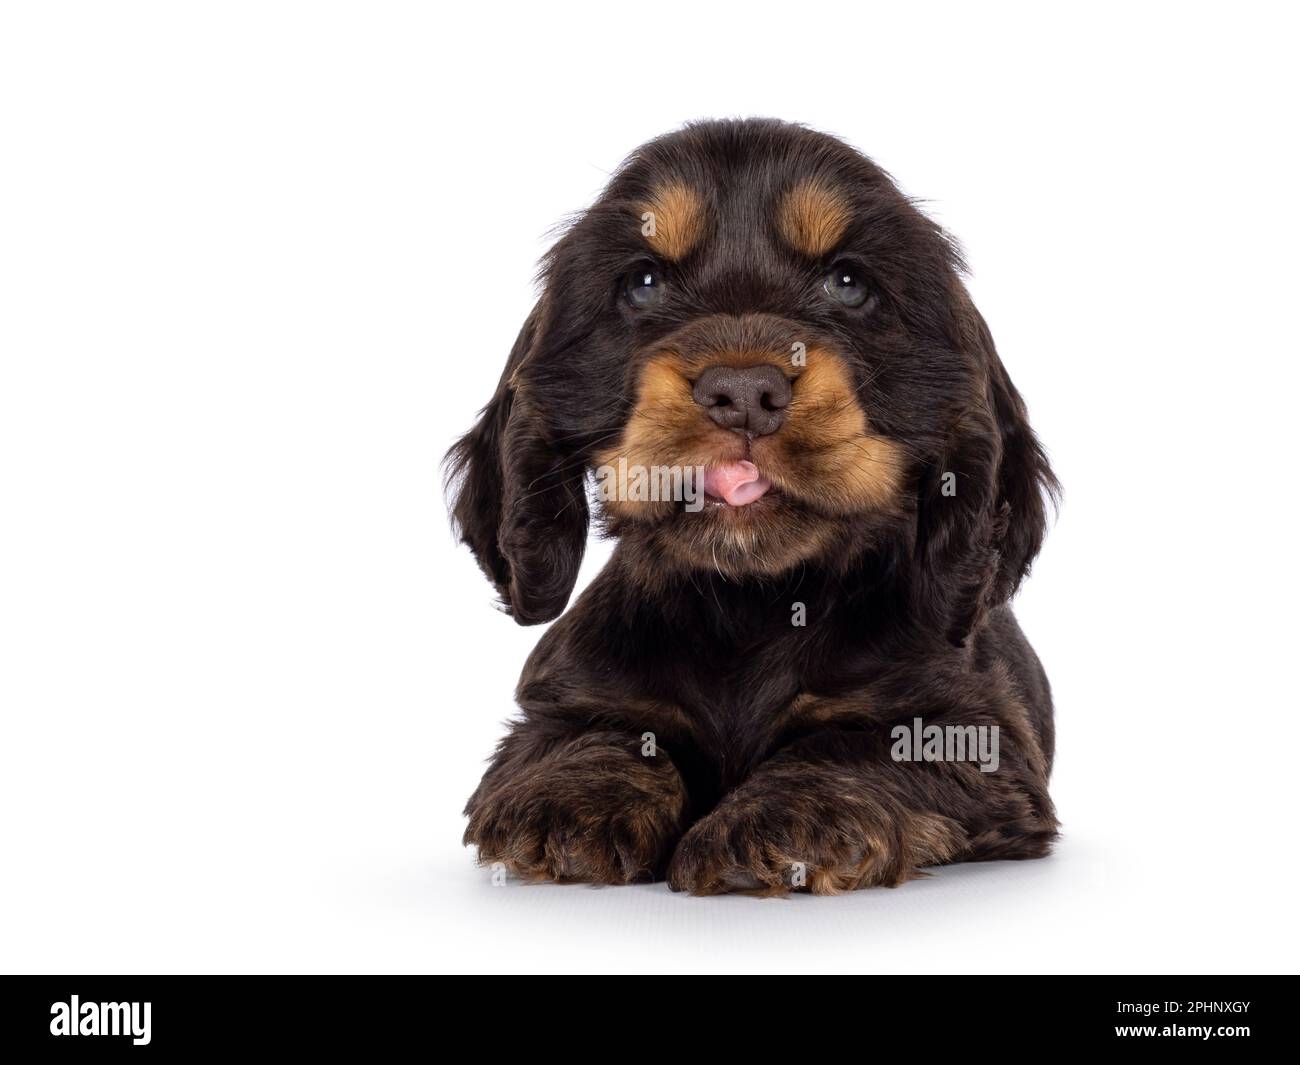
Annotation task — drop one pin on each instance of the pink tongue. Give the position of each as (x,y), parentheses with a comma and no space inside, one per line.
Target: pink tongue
(737,483)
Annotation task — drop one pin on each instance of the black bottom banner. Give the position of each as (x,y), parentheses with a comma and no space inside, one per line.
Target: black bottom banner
(144,1015)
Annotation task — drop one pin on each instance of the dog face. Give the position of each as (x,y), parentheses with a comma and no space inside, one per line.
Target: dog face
(754,312)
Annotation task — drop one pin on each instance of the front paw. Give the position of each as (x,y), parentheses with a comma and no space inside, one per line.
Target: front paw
(589,812)
(773,838)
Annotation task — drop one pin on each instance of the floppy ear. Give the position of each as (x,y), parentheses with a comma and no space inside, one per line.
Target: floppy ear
(981,513)
(518,504)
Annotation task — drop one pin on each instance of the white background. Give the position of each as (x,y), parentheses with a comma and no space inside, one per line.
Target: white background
(260,263)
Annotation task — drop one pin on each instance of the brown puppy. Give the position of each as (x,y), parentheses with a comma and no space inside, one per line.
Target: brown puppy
(824,490)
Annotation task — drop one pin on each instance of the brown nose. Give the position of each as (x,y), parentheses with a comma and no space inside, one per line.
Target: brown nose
(748,399)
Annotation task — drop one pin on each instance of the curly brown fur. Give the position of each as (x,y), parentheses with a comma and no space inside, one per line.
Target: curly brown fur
(678,721)
(586,809)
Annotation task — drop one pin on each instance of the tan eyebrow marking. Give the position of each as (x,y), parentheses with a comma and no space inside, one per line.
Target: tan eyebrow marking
(673,220)
(812,217)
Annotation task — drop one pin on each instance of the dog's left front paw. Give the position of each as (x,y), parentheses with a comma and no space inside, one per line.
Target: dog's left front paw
(825,840)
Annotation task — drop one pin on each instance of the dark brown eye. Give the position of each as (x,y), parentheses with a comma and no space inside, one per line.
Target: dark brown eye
(845,285)
(643,287)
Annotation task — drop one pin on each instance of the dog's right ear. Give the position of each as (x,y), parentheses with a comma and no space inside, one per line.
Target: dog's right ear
(519,504)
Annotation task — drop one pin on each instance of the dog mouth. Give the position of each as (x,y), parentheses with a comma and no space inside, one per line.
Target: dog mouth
(734,484)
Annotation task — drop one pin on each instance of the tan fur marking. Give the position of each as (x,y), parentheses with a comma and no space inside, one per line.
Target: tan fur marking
(679,220)
(812,217)
(838,459)
(851,468)
(806,708)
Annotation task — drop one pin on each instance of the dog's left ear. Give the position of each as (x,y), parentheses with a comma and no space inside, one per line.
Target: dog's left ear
(982,511)
(519,502)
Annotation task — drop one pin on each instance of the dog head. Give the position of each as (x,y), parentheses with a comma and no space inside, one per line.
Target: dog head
(765,354)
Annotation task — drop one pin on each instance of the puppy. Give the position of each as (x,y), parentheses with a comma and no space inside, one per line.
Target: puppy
(824,491)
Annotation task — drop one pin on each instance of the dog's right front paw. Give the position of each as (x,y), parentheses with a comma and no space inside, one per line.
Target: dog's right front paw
(593,813)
